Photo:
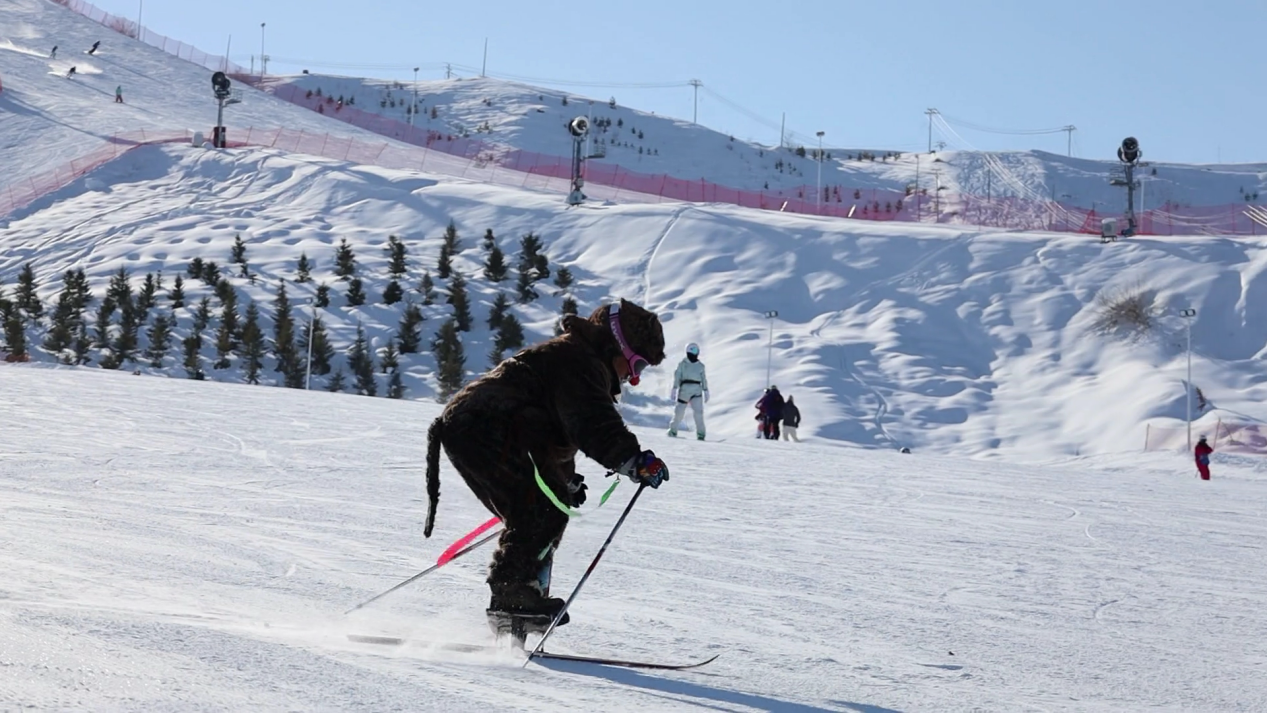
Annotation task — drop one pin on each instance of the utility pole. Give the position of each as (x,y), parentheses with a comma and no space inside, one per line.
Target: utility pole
(930,113)
(1187,315)
(782,132)
(695,113)
(414,109)
(485,65)
(139,9)
(1069,138)
(918,217)
(263,57)
(771,315)
(448,71)
(819,195)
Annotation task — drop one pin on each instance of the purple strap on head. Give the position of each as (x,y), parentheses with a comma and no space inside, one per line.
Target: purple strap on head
(632,357)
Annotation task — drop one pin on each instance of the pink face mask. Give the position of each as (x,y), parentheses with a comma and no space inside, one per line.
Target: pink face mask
(636,363)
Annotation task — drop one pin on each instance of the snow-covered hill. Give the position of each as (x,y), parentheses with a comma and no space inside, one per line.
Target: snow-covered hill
(954,340)
(527,118)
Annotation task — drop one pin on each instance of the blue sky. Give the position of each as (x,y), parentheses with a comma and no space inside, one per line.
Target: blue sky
(1182,77)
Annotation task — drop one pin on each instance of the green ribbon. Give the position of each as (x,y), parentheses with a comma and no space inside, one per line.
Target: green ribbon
(541,483)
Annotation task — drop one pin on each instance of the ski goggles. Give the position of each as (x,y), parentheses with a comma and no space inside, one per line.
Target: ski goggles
(636,362)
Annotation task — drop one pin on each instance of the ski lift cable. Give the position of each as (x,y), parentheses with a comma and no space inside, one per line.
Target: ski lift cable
(993,130)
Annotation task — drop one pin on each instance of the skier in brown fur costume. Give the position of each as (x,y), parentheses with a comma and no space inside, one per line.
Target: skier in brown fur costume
(532,414)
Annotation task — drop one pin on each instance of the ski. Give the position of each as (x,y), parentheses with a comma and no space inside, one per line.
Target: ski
(625,664)
(482,648)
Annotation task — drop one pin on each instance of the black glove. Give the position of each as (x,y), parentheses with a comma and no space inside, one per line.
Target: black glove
(577,488)
(646,468)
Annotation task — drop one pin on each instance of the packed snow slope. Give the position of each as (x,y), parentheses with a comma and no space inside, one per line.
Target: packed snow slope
(179,545)
(887,336)
(534,119)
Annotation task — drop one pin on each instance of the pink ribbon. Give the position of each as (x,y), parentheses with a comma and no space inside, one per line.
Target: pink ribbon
(465,540)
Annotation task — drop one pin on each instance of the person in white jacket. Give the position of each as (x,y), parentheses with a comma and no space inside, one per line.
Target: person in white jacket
(690,387)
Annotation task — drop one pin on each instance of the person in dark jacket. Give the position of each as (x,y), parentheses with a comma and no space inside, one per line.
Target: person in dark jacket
(771,408)
(1202,455)
(791,420)
(95,45)
(514,434)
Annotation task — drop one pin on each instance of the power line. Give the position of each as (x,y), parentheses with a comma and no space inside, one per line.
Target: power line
(992,130)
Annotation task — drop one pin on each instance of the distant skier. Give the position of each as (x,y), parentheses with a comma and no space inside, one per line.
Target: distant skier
(690,387)
(95,45)
(514,434)
(70,73)
(791,420)
(771,412)
(1202,454)
(118,94)
(53,54)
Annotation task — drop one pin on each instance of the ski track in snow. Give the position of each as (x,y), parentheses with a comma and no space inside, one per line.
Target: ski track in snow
(180,545)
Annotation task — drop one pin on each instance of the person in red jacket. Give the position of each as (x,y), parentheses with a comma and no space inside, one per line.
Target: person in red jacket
(1202,453)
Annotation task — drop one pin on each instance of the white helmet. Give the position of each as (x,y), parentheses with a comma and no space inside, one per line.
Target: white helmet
(692,348)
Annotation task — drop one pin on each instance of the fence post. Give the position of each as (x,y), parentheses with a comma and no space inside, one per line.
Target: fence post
(1147,428)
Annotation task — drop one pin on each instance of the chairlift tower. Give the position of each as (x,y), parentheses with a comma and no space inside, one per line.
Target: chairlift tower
(225,96)
(579,128)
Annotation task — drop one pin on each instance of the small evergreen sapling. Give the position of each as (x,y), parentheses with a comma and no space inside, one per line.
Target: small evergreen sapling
(409,335)
(356,293)
(303,272)
(344,260)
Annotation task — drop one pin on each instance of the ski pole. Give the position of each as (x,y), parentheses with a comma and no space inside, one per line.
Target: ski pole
(589,570)
(425,572)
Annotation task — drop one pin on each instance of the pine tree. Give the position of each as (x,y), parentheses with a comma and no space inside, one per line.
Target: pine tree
(427,288)
(195,268)
(227,334)
(390,359)
(497,312)
(395,386)
(178,293)
(452,246)
(120,289)
(147,297)
(82,344)
(224,291)
(490,241)
(356,293)
(323,296)
(124,347)
(450,359)
(344,260)
(253,347)
(210,273)
(361,362)
(569,308)
(461,302)
(83,296)
(523,287)
(563,278)
(101,336)
(393,293)
(303,273)
(288,363)
(193,363)
(409,334)
(322,350)
(14,333)
(160,339)
(239,251)
(495,265)
(61,334)
(25,297)
(335,384)
(202,315)
(397,252)
(510,336)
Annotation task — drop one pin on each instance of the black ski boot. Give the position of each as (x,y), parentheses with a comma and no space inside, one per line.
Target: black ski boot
(519,610)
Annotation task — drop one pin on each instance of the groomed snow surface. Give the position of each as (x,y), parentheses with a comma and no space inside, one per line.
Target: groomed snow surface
(172,545)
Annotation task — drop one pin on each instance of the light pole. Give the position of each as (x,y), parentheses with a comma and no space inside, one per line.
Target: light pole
(819,134)
(770,352)
(312,321)
(1187,315)
(263,57)
(414,109)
